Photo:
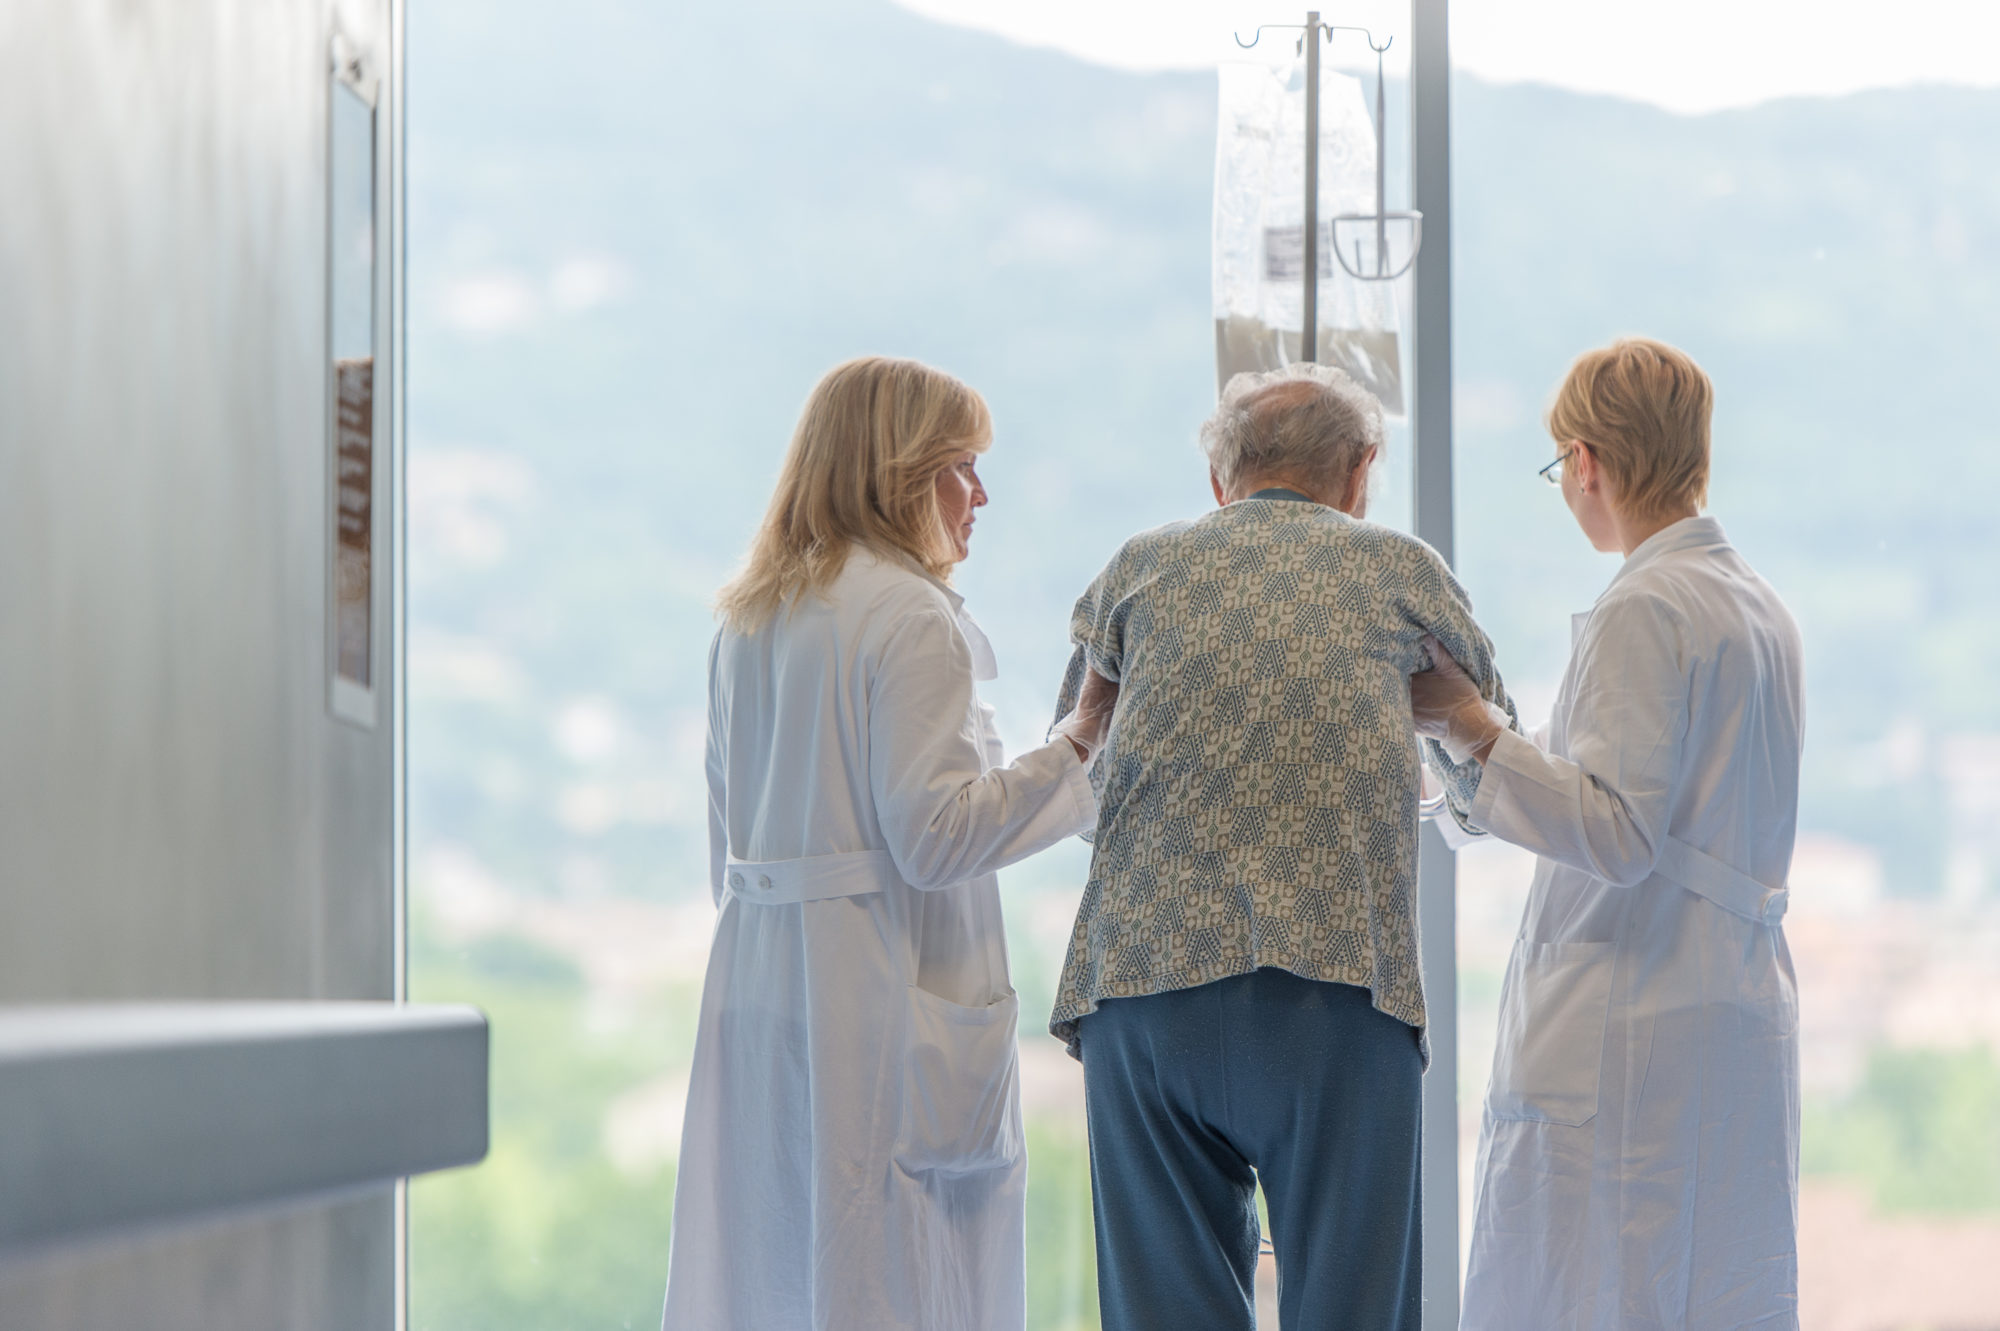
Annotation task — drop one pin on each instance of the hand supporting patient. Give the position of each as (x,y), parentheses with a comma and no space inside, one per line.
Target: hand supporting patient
(1447,707)
(1088,725)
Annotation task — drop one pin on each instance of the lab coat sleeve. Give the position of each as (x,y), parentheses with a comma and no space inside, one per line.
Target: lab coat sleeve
(1604,808)
(718,786)
(944,818)
(1442,609)
(989,735)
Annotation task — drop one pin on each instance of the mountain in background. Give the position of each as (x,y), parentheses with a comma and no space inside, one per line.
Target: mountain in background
(638,234)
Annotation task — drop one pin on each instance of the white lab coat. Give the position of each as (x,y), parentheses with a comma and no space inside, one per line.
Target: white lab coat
(1638,1164)
(851,1155)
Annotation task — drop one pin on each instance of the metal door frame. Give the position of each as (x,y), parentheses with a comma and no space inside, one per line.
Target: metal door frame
(1437,911)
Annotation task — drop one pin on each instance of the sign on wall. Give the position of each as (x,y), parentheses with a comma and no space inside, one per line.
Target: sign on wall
(350,275)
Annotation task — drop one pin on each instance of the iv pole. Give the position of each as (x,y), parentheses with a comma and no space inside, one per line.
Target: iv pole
(1309,43)
(1309,333)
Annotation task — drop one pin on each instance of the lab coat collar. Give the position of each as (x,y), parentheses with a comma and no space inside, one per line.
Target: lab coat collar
(901,560)
(985,664)
(1697,533)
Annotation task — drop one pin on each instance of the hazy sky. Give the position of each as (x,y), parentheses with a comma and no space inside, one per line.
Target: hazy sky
(1690,55)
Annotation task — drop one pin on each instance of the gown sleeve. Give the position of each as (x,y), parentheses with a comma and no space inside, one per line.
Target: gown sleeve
(1604,808)
(944,817)
(1442,609)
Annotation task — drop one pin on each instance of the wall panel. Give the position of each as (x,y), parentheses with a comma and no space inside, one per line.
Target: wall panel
(180,815)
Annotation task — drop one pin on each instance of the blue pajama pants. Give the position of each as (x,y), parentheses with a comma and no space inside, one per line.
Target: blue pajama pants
(1194,1096)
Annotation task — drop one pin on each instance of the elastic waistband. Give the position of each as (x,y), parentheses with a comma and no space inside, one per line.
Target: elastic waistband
(813,878)
(1729,888)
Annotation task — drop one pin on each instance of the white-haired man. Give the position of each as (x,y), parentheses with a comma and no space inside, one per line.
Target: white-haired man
(1242,983)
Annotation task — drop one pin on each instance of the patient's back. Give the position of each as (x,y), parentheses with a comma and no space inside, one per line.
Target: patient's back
(1258,793)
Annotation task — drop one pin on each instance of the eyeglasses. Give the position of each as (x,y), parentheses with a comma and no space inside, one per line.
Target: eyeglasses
(1553,473)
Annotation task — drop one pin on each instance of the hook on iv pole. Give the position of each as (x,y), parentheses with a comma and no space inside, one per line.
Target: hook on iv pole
(1366,35)
(1328,28)
(1258,35)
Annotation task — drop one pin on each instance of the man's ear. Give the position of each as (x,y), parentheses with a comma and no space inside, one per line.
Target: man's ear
(1357,480)
(1215,484)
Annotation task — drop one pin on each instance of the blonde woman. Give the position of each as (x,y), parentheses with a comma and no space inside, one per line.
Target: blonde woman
(1638,1165)
(851,1154)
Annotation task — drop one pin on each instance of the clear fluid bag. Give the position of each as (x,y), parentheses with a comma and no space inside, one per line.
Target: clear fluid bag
(1260,229)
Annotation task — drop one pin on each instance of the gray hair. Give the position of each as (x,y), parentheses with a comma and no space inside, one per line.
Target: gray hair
(1317,433)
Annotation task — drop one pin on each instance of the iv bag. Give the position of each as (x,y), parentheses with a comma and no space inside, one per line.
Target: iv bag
(1259,243)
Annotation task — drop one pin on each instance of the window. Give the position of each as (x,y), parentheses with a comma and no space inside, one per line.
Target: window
(626,272)
(628,269)
(1817,256)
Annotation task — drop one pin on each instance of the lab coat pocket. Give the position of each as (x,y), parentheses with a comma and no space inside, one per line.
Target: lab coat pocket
(1551,1044)
(961,1086)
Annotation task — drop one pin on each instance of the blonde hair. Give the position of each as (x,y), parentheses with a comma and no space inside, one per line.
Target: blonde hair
(1643,407)
(862,470)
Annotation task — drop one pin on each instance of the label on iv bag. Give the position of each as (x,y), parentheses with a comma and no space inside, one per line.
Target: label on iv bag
(1285,253)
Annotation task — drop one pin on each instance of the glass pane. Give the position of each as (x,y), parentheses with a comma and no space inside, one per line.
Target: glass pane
(629,263)
(626,273)
(1818,256)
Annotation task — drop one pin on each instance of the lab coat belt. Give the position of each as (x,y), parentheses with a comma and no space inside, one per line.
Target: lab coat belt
(812,878)
(1729,888)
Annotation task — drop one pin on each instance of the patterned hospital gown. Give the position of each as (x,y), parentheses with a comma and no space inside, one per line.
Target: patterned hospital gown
(1258,792)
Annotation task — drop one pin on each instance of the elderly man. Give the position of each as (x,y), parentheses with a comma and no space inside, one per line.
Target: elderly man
(1242,982)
